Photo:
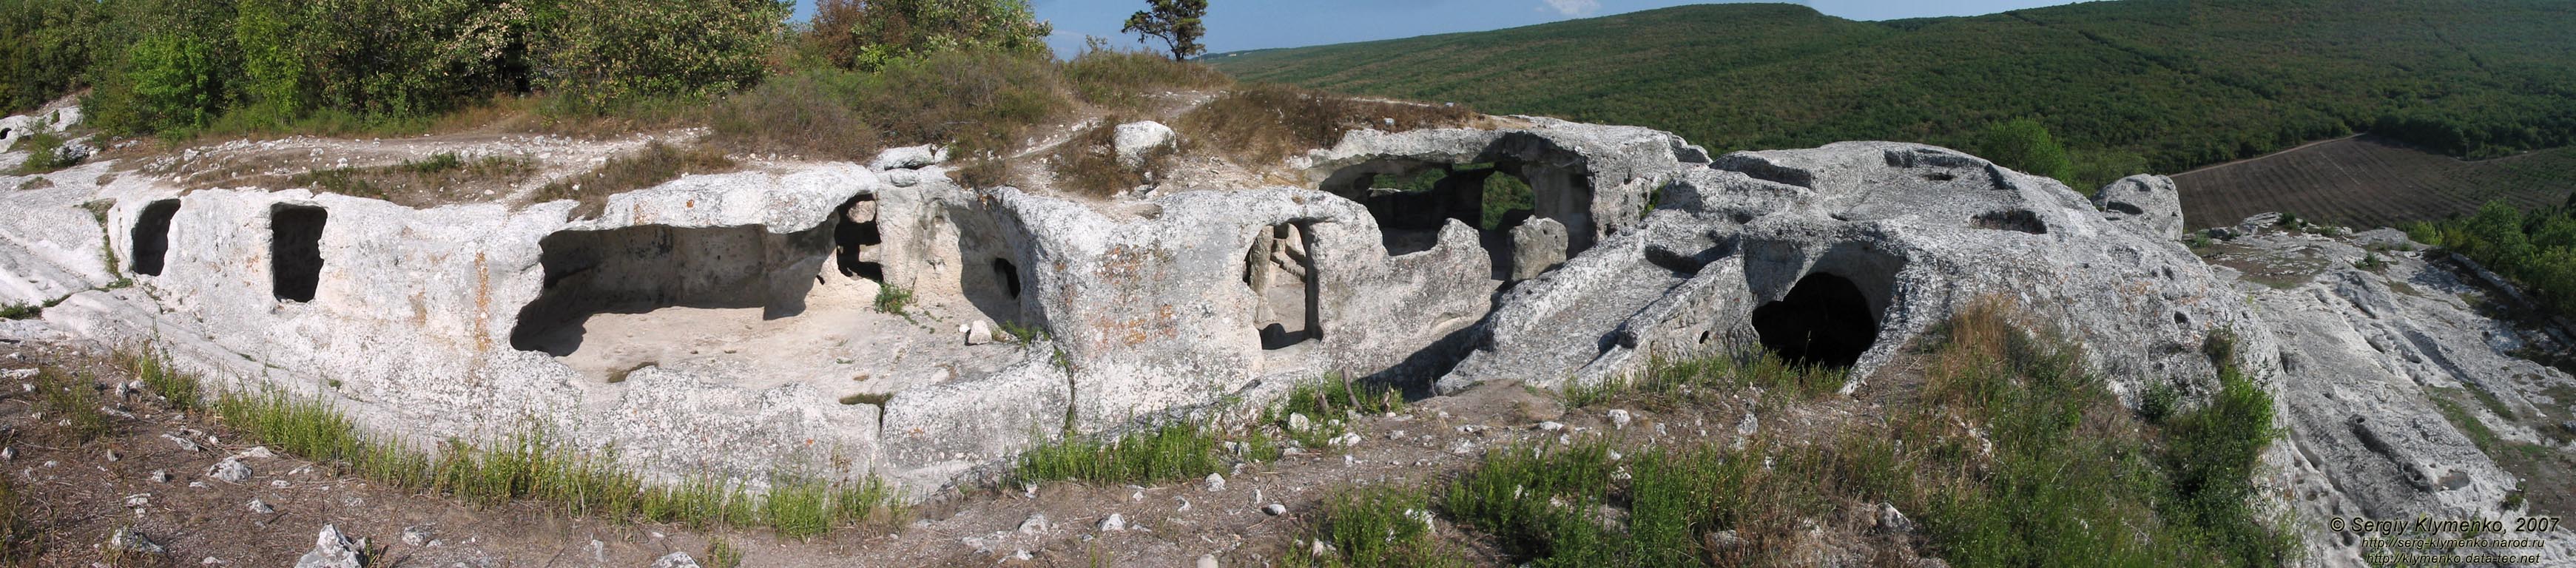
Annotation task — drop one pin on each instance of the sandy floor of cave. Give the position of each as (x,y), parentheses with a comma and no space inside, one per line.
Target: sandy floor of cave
(840,343)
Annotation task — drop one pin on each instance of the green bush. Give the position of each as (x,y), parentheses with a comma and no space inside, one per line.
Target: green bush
(166,82)
(2535,249)
(870,34)
(2024,144)
(48,50)
(42,155)
(604,55)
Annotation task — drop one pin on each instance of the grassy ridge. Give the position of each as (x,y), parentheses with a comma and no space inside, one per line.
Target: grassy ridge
(2130,85)
(1978,458)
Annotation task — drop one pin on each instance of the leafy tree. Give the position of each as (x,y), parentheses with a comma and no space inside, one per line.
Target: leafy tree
(1176,22)
(48,50)
(2023,144)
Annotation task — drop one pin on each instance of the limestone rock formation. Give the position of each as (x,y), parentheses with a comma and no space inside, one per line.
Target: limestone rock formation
(1133,140)
(1843,255)
(807,317)
(2148,201)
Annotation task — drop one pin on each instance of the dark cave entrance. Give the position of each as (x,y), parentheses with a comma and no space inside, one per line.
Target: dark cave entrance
(1519,178)
(855,239)
(1009,276)
(294,250)
(1825,320)
(1280,270)
(640,269)
(152,236)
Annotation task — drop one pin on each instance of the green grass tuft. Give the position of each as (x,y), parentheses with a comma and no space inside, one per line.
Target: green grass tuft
(21,311)
(153,368)
(1377,527)
(1325,403)
(1176,452)
(534,465)
(893,299)
(70,406)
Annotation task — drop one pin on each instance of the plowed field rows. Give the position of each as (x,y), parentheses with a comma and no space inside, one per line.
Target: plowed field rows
(2364,182)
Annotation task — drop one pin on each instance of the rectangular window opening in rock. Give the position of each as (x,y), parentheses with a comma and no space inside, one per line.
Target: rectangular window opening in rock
(152,236)
(295,250)
(1280,270)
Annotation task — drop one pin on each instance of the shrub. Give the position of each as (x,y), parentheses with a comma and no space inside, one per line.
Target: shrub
(50,46)
(802,114)
(44,154)
(1120,79)
(21,311)
(2024,144)
(166,82)
(869,34)
(605,55)
(893,299)
(1088,164)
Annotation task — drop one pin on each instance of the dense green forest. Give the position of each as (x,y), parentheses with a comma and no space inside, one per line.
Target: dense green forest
(2128,86)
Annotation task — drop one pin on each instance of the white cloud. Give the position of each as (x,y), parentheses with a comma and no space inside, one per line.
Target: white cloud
(1574,8)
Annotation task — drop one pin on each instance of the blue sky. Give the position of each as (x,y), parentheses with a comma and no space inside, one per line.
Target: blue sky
(1235,25)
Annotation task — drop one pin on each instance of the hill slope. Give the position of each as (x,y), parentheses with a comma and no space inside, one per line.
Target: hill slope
(2132,85)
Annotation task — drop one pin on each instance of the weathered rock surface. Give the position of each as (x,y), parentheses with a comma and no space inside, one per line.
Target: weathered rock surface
(458,320)
(2148,202)
(1886,239)
(334,550)
(1133,140)
(2368,356)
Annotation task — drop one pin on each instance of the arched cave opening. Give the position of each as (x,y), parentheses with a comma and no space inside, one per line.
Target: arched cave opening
(152,236)
(1280,270)
(295,250)
(636,270)
(855,238)
(1825,320)
(1413,201)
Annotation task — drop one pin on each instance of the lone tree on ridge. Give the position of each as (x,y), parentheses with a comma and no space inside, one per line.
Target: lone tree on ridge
(1176,22)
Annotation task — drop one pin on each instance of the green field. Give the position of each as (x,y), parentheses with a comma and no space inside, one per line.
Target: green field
(2130,85)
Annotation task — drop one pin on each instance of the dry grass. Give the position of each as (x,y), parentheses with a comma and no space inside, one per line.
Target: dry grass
(1125,80)
(1977,458)
(655,164)
(1265,123)
(1088,164)
(441,179)
(796,115)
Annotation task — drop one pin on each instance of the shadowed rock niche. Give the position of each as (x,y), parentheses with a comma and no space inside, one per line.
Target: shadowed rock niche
(1529,201)
(152,236)
(855,238)
(1281,273)
(294,250)
(640,269)
(1825,320)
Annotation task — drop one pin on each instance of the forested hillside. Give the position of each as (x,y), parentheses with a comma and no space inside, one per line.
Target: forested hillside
(2129,85)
